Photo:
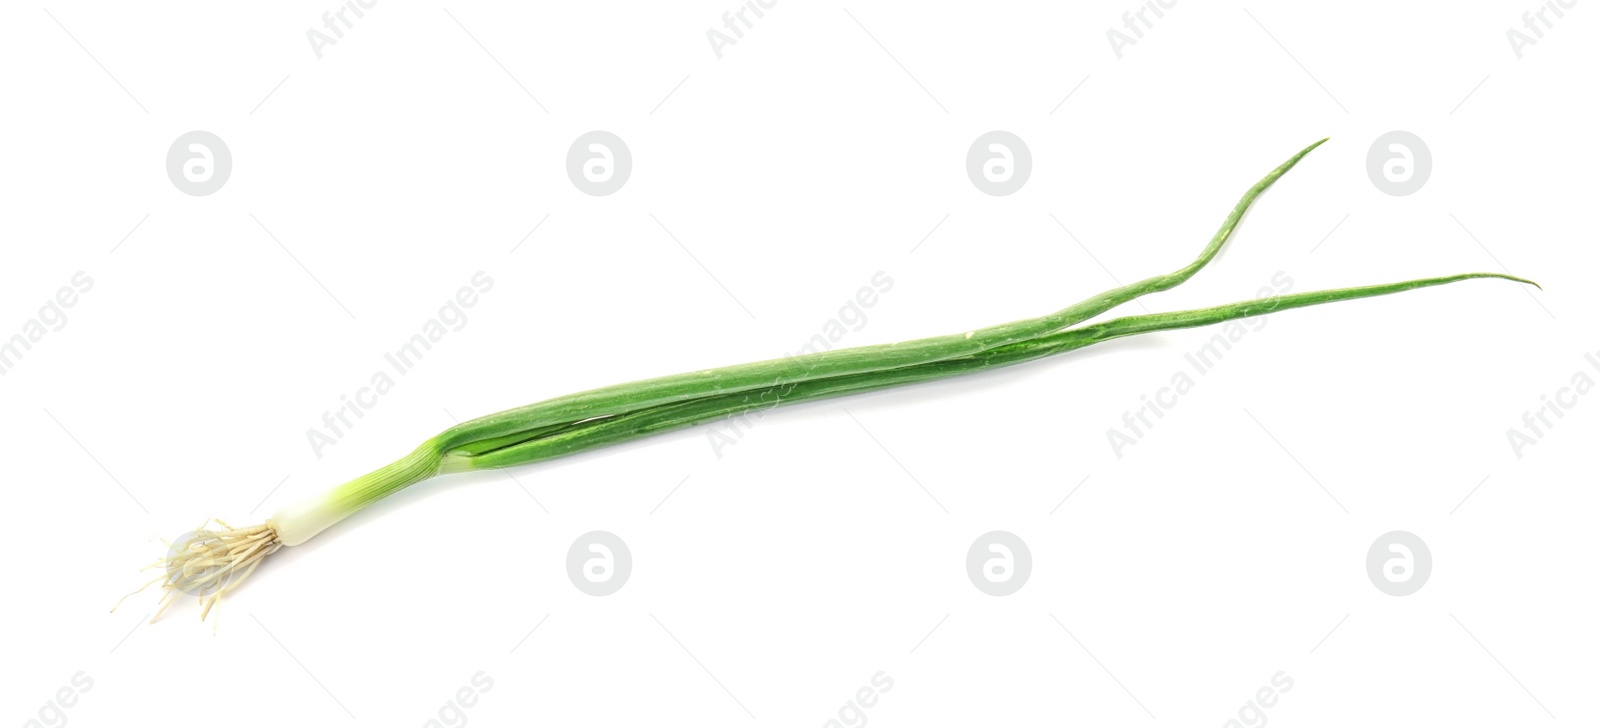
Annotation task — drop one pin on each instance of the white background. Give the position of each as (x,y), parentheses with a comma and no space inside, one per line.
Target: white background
(776,580)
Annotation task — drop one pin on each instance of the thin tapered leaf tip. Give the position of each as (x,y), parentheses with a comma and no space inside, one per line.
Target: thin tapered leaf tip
(1314,145)
(1505,277)
(1298,156)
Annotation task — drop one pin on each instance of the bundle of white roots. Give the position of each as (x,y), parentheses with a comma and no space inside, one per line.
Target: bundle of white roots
(208,564)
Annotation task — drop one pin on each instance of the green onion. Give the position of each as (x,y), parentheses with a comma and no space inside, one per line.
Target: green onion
(211,563)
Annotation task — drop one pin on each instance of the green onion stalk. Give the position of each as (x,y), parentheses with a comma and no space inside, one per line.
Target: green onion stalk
(211,562)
